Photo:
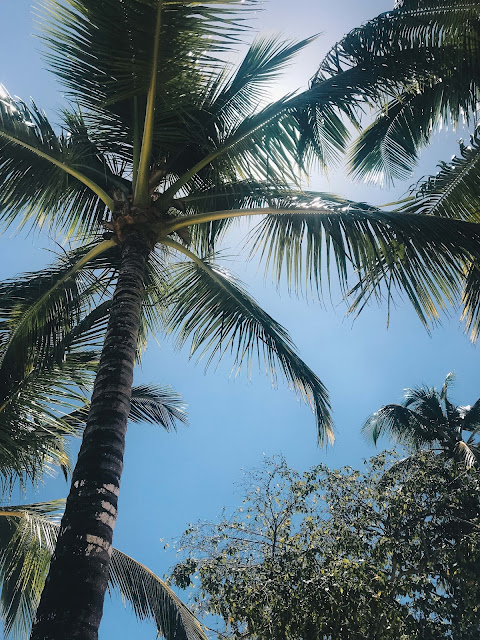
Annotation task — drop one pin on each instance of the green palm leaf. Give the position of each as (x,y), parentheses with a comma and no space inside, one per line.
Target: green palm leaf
(104,54)
(28,534)
(390,250)
(210,306)
(413,95)
(150,403)
(39,309)
(453,192)
(48,177)
(239,95)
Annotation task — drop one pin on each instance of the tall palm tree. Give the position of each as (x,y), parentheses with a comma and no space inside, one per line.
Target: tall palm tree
(165,147)
(427,420)
(43,403)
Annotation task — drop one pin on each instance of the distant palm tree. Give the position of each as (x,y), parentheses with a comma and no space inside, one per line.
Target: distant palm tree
(427,420)
(164,146)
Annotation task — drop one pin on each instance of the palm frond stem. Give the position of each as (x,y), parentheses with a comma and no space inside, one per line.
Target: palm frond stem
(210,216)
(136,142)
(141,197)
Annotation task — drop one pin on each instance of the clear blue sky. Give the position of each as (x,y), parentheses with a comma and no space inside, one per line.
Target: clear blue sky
(173,479)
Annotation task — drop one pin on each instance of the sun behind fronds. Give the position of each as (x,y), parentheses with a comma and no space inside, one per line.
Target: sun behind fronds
(423,59)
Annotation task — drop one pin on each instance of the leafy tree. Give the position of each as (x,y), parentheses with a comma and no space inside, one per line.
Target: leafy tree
(343,554)
(428,420)
(164,145)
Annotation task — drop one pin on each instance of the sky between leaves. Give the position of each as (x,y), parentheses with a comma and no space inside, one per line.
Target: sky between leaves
(173,479)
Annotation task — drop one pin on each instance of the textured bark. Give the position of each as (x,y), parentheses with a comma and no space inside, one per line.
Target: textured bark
(72,601)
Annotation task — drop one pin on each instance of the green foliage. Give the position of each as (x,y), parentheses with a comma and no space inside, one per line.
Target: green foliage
(167,137)
(423,59)
(207,303)
(343,554)
(52,323)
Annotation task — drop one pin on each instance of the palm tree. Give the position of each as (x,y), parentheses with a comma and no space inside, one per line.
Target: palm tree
(427,420)
(165,147)
(43,403)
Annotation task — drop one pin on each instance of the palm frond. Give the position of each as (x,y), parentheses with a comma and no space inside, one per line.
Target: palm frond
(471,419)
(239,95)
(388,148)
(28,534)
(403,424)
(59,180)
(427,420)
(102,52)
(471,299)
(453,192)
(247,194)
(210,306)
(466,454)
(157,405)
(151,598)
(40,308)
(150,403)
(424,58)
(419,255)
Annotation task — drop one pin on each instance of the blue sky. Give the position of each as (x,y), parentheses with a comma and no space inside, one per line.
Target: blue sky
(173,479)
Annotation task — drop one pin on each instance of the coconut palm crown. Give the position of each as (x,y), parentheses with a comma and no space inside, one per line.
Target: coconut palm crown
(162,148)
(427,420)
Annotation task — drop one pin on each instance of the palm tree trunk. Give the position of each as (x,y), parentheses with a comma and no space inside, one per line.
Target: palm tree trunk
(72,601)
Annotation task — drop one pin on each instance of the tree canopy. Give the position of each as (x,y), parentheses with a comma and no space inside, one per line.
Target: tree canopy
(343,554)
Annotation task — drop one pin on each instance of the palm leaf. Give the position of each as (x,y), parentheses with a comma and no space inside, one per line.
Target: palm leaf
(466,453)
(414,96)
(422,256)
(239,95)
(103,53)
(428,420)
(151,598)
(40,308)
(59,179)
(210,306)
(150,403)
(403,424)
(28,534)
(453,192)
(471,419)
